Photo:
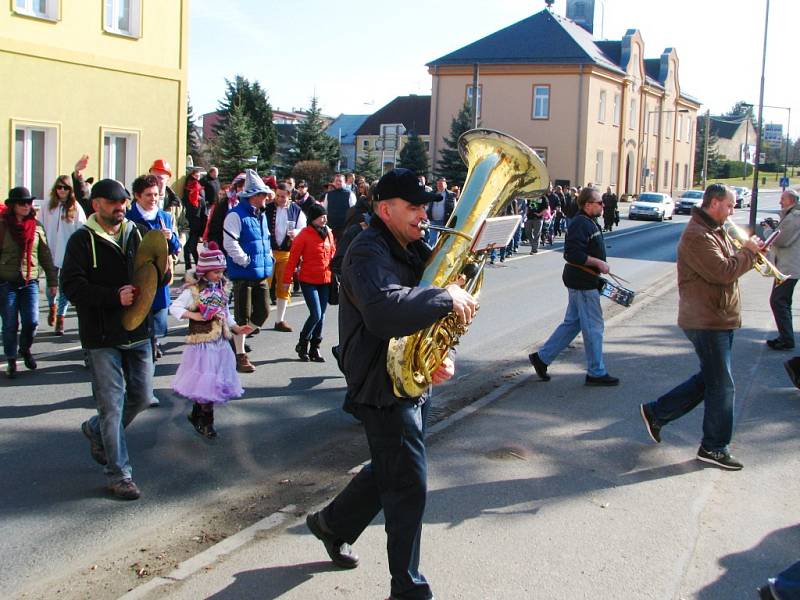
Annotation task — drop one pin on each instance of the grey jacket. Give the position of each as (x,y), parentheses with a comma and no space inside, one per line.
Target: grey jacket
(786,247)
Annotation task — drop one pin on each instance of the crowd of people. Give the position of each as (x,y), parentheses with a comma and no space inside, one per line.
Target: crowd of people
(361,246)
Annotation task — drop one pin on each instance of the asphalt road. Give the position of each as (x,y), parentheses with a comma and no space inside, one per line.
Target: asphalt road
(286,435)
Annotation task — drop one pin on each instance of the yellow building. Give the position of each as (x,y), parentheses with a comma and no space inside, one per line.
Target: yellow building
(595,111)
(107,78)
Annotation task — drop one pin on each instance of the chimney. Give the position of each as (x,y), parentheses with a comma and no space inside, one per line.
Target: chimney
(582,12)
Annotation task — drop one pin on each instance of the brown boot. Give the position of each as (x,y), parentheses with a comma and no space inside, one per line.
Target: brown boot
(51,316)
(59,326)
(243,364)
(283,326)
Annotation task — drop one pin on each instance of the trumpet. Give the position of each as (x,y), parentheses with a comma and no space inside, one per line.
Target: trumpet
(762,264)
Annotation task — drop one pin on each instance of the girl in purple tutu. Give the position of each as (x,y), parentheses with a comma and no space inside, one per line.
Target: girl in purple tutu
(207,373)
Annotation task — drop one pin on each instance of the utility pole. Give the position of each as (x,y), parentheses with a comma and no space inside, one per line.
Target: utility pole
(786,155)
(754,195)
(705,150)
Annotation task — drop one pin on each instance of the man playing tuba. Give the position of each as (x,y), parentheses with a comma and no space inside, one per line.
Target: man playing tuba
(381,299)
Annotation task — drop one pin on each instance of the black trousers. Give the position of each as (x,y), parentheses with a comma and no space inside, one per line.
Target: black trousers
(190,249)
(396,481)
(780,300)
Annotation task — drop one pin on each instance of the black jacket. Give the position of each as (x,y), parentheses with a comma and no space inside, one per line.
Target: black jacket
(449,205)
(211,189)
(379,300)
(584,238)
(94,269)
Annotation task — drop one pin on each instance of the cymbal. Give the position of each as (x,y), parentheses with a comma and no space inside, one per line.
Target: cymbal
(145,280)
(154,249)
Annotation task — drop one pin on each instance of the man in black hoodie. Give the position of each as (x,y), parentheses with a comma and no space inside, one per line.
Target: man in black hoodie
(96,276)
(381,298)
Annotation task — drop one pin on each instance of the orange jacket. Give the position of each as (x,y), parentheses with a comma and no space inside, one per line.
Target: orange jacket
(314,255)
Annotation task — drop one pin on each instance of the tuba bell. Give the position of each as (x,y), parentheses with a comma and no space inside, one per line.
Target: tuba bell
(498,166)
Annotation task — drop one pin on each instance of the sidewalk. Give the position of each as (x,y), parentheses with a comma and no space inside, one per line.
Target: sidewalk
(554,490)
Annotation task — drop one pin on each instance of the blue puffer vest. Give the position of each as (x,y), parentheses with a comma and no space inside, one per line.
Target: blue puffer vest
(254,240)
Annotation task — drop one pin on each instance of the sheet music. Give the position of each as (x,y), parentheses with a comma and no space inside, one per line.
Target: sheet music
(496,232)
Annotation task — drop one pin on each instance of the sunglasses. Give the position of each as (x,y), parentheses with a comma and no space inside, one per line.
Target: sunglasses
(61,186)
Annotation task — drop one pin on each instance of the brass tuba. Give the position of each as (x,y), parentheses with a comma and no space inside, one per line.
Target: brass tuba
(762,264)
(498,166)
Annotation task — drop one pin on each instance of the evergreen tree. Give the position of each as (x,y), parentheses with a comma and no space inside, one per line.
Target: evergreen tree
(235,146)
(413,156)
(311,142)
(740,111)
(255,105)
(450,165)
(367,165)
(192,137)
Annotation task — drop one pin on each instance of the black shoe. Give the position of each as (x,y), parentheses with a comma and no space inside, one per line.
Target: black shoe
(11,368)
(653,430)
(247,348)
(539,366)
(340,552)
(95,448)
(313,351)
(792,367)
(302,350)
(28,359)
(778,344)
(604,380)
(721,458)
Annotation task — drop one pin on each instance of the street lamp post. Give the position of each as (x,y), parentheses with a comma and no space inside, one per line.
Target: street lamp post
(754,194)
(746,132)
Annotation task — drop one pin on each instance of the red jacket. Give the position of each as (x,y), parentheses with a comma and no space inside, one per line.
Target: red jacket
(316,255)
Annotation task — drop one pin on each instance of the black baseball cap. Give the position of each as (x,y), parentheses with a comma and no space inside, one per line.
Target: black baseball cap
(403,183)
(110,189)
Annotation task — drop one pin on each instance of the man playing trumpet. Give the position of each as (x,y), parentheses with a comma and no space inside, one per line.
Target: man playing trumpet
(709,310)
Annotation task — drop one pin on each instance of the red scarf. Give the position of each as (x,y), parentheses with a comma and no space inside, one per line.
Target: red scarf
(24,234)
(194,188)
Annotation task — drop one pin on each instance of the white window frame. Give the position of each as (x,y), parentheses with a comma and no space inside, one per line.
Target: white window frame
(598,168)
(601,109)
(680,128)
(50,167)
(111,13)
(540,110)
(27,8)
(541,152)
(688,130)
(632,114)
(686,176)
(614,168)
(668,129)
(617,109)
(365,144)
(108,166)
(480,98)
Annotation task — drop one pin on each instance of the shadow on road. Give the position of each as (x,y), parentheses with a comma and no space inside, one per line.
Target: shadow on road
(271,583)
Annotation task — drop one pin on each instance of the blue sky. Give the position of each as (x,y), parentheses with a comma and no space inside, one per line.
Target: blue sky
(356,55)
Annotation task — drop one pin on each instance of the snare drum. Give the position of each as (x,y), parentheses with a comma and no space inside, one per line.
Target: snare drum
(617,293)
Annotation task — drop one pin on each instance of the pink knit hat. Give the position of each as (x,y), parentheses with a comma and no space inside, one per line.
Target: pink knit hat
(211,259)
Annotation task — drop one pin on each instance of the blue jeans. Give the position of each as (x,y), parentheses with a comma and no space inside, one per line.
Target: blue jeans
(395,480)
(584,315)
(160,323)
(61,299)
(19,303)
(713,384)
(431,236)
(122,383)
(316,297)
